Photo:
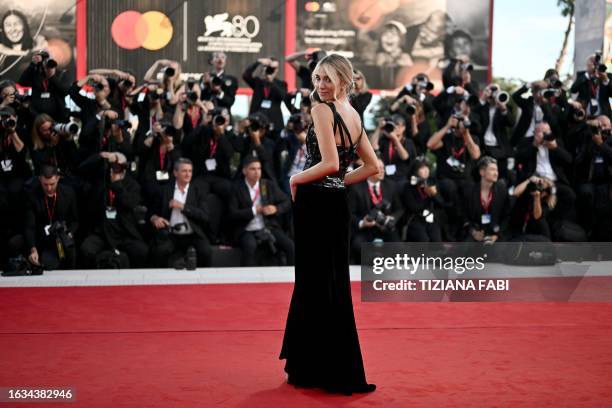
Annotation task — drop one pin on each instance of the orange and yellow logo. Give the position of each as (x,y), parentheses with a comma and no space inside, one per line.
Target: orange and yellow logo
(151,30)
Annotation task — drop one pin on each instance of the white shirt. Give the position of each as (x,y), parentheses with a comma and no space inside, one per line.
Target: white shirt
(543,167)
(375,187)
(299,161)
(537,117)
(489,137)
(177,217)
(257,222)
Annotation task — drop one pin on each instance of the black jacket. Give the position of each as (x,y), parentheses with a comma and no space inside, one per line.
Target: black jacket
(229,87)
(54,105)
(552,115)
(360,201)
(37,217)
(498,208)
(241,205)
(277,90)
(502,123)
(197,147)
(583,86)
(527,159)
(196,209)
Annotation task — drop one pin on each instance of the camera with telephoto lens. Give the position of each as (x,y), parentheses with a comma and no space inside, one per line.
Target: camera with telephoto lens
(219,119)
(297,121)
(8,122)
(69,128)
(548,137)
(191,83)
(169,72)
(265,236)
(419,181)
(577,114)
(254,125)
(535,186)
(380,214)
(47,61)
(550,92)
(192,96)
(423,83)
(20,266)
(600,67)
(121,123)
(388,126)
(502,97)
(270,70)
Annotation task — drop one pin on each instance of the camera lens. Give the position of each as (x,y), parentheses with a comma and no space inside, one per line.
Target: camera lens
(389,127)
(169,71)
(192,96)
(219,120)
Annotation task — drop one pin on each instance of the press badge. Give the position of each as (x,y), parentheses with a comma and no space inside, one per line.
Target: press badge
(111,213)
(594,102)
(7,165)
(452,161)
(45,95)
(598,160)
(485,219)
(211,164)
(47,230)
(266,104)
(162,175)
(390,169)
(141,96)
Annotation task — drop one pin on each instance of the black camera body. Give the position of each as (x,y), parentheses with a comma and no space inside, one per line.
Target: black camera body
(297,122)
(20,266)
(600,67)
(264,236)
(380,214)
(59,231)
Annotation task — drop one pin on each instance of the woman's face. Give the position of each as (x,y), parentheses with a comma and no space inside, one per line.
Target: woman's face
(324,86)
(45,130)
(358,79)
(423,172)
(8,95)
(13,27)
(390,40)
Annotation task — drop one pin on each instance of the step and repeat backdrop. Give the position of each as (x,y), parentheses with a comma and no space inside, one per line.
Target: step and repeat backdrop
(389,40)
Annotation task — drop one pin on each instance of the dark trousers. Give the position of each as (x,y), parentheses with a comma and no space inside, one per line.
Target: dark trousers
(136,250)
(368,235)
(248,246)
(47,253)
(169,246)
(422,231)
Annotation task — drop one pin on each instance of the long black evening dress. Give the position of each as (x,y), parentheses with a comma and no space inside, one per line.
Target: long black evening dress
(320,345)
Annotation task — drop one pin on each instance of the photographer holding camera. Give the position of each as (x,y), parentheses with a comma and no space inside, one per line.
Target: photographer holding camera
(535,198)
(535,109)
(268,92)
(593,87)
(121,84)
(255,207)
(593,173)
(413,112)
(361,96)
(376,208)
(486,204)
(395,149)
(496,120)
(190,111)
(50,222)
(112,203)
(54,144)
(255,140)
(291,150)
(170,76)
(180,218)
(304,72)
(423,204)
(546,157)
(419,88)
(48,91)
(217,86)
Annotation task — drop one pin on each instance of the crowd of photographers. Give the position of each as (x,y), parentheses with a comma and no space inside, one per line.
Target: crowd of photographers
(109,171)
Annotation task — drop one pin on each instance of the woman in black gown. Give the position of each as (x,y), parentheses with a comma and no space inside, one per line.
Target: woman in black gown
(320,345)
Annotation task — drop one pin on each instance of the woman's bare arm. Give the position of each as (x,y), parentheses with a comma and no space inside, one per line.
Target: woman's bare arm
(370,162)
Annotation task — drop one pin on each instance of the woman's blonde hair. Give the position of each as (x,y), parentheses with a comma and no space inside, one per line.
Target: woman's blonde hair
(339,70)
(37,141)
(365,87)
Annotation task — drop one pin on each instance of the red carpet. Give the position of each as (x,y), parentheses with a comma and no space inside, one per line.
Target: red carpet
(218,345)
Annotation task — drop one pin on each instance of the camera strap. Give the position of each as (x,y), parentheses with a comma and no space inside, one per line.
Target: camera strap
(594,89)
(376,197)
(45,84)
(50,210)
(457,153)
(390,150)
(111,198)
(213,146)
(486,204)
(162,158)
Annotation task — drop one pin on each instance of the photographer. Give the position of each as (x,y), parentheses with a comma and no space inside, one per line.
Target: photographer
(417,127)
(217,86)
(458,92)
(255,207)
(456,150)
(593,87)
(496,120)
(423,203)
(50,222)
(48,92)
(304,72)
(535,198)
(486,204)
(535,109)
(158,155)
(376,208)
(20,104)
(121,84)
(190,111)
(268,92)
(546,157)
(53,147)
(255,140)
(181,219)
(170,76)
(593,174)
(112,203)
(291,150)
(419,89)
(395,149)
(147,106)
(361,96)
(13,173)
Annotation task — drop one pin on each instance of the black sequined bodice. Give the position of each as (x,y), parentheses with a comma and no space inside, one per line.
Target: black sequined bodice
(347,153)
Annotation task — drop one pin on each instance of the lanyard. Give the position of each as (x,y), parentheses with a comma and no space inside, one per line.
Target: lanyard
(594,88)
(376,198)
(422,193)
(213,147)
(390,151)
(266,91)
(45,84)
(50,211)
(486,203)
(457,153)
(111,197)
(162,158)
(254,199)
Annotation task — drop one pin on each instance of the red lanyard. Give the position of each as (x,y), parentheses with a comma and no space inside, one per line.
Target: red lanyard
(256,195)
(457,153)
(594,88)
(266,91)
(486,204)
(45,84)
(123,104)
(195,118)
(390,151)
(50,211)
(111,197)
(162,157)
(422,193)
(213,146)
(376,199)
